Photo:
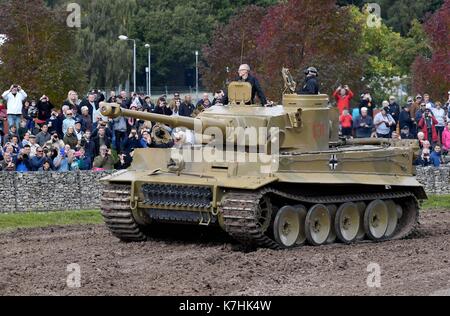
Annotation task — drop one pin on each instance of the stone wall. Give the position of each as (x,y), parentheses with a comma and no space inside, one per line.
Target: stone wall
(81,190)
(435,180)
(38,191)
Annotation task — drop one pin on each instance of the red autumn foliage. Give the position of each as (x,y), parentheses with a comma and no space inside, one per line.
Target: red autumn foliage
(229,42)
(432,75)
(294,34)
(302,33)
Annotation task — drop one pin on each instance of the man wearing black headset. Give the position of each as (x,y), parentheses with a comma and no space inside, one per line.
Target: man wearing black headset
(311,85)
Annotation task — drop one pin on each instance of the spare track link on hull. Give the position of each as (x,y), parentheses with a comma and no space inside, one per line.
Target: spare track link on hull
(117,214)
(240,211)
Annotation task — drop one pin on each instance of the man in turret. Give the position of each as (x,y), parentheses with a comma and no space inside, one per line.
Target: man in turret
(311,85)
(244,75)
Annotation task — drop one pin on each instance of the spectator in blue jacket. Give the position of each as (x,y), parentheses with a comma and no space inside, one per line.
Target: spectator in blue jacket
(363,124)
(436,156)
(38,161)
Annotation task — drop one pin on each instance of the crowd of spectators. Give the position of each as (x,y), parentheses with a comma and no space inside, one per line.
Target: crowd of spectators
(38,136)
(420,118)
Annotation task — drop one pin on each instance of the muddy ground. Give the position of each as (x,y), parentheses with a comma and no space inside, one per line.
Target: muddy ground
(34,262)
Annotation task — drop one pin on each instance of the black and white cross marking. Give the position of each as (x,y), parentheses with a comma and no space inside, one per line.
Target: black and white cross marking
(334,163)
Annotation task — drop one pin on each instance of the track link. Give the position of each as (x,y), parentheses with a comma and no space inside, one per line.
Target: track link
(117,214)
(240,212)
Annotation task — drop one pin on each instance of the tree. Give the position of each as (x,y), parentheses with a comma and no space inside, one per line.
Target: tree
(295,34)
(177,28)
(302,33)
(232,45)
(108,60)
(432,74)
(39,52)
(389,55)
(400,14)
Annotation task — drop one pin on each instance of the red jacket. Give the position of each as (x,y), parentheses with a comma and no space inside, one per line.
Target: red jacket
(343,102)
(346,121)
(423,127)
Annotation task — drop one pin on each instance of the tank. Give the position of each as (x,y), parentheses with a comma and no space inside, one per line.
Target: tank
(271,177)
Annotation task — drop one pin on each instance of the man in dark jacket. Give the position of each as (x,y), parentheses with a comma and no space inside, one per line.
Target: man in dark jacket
(55,123)
(311,85)
(406,120)
(244,75)
(102,139)
(89,103)
(394,111)
(187,107)
(44,107)
(132,142)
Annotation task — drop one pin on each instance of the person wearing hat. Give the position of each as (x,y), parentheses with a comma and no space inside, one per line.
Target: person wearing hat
(416,106)
(33,145)
(383,123)
(405,119)
(244,75)
(311,85)
(78,131)
(428,126)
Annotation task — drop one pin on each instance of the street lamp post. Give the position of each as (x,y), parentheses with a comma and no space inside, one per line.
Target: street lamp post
(125,38)
(149,69)
(196,73)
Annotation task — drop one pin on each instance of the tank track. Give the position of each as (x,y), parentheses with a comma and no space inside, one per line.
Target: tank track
(240,211)
(117,214)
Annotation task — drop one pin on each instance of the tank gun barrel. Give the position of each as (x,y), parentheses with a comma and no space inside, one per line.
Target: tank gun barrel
(113,110)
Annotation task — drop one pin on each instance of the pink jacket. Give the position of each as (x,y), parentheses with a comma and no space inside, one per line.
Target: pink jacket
(446,139)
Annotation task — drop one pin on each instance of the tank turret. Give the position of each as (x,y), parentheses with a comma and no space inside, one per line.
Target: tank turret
(302,123)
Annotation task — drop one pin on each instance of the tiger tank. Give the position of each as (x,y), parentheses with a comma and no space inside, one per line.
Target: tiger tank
(274,177)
